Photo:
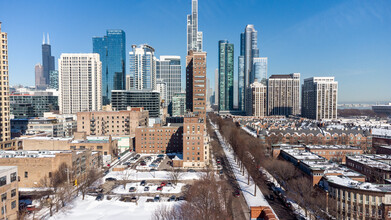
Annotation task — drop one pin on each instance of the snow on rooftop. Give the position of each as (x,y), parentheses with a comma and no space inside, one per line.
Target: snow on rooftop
(348,182)
(371,161)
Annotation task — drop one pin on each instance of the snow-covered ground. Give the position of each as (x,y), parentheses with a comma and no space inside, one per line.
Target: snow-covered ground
(90,209)
(131,174)
(152,188)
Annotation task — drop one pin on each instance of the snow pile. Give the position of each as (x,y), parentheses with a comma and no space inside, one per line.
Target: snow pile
(152,188)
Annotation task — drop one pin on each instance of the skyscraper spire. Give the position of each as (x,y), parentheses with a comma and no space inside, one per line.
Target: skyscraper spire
(48,39)
(43,38)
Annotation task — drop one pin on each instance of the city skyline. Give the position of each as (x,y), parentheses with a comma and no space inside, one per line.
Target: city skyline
(352,47)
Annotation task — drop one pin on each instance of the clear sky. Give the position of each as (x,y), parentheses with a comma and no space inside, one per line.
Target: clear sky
(348,39)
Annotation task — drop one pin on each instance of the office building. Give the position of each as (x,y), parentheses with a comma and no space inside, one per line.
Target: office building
(161,86)
(27,105)
(179,104)
(194,37)
(319,98)
(80,82)
(147,99)
(114,123)
(47,60)
(142,63)
(39,78)
(283,94)
(53,79)
(129,82)
(112,51)
(5,133)
(168,69)
(248,51)
(216,93)
(259,99)
(209,93)
(9,191)
(226,76)
(260,69)
(196,83)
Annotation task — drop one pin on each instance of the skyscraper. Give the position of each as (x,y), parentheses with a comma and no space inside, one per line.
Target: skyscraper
(216,102)
(196,83)
(179,104)
(112,51)
(161,86)
(259,99)
(260,69)
(283,92)
(248,51)
(226,76)
(5,130)
(129,82)
(80,82)
(47,59)
(39,78)
(319,98)
(142,63)
(194,37)
(53,76)
(168,69)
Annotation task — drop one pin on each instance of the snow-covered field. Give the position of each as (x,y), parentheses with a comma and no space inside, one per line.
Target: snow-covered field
(90,209)
(154,175)
(152,188)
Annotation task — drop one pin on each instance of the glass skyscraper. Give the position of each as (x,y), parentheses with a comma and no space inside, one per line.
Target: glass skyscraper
(47,60)
(142,63)
(194,37)
(112,51)
(168,69)
(226,74)
(260,70)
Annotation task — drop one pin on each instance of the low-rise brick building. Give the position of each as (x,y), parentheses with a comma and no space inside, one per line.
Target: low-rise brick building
(9,192)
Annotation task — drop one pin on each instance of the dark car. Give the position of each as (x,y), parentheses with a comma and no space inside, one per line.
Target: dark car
(111,179)
(99,197)
(172,198)
(143,183)
(160,156)
(143,163)
(132,189)
(160,188)
(181,198)
(191,171)
(133,199)
(146,189)
(157,198)
(236,193)
(221,172)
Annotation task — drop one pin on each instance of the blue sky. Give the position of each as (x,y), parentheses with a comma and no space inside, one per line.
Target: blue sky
(349,39)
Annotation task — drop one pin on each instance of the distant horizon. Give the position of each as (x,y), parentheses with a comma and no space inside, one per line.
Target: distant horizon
(346,39)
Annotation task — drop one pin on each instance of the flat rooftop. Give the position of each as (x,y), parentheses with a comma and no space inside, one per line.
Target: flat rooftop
(31,154)
(350,183)
(4,169)
(332,147)
(371,161)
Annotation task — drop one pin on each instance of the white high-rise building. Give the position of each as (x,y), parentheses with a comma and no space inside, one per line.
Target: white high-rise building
(319,98)
(259,99)
(194,37)
(161,86)
(129,82)
(168,69)
(80,82)
(142,63)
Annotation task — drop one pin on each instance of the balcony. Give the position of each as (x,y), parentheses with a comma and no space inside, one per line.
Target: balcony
(92,128)
(92,120)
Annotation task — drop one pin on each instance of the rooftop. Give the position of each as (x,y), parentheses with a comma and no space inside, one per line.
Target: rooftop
(348,182)
(371,161)
(31,154)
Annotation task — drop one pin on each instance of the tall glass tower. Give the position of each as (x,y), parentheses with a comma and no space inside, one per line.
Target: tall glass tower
(260,70)
(112,51)
(47,59)
(226,74)
(142,63)
(194,37)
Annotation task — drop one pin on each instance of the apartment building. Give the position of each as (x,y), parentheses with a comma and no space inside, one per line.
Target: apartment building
(195,143)
(5,131)
(259,99)
(9,192)
(34,166)
(114,123)
(376,167)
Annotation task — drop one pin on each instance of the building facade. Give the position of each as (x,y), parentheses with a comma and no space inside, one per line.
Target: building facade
(260,69)
(226,76)
(142,63)
(168,69)
(40,81)
(5,133)
(80,82)
(195,143)
(161,86)
(47,60)
(129,82)
(53,79)
(196,83)
(9,192)
(112,52)
(194,37)
(319,98)
(179,104)
(114,123)
(32,105)
(259,99)
(283,92)
(147,99)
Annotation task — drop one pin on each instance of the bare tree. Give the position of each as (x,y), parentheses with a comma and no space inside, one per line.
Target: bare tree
(174,175)
(86,180)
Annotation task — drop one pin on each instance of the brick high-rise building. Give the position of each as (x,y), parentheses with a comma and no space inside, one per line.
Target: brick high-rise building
(195,142)
(4,95)
(196,83)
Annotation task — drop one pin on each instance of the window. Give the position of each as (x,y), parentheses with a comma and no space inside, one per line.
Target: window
(26,174)
(13,192)
(3,180)
(105,153)
(2,209)
(13,177)
(99,147)
(3,197)
(13,204)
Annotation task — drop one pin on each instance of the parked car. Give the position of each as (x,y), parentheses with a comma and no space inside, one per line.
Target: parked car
(133,199)
(143,182)
(151,170)
(146,189)
(143,163)
(191,171)
(160,188)
(221,172)
(99,197)
(163,184)
(132,189)
(271,197)
(181,198)
(157,198)
(169,184)
(236,193)
(172,198)
(111,179)
(160,156)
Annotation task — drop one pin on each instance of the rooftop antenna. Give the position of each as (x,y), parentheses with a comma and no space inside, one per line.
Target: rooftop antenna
(43,39)
(48,39)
